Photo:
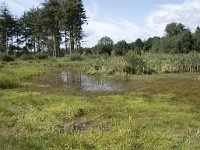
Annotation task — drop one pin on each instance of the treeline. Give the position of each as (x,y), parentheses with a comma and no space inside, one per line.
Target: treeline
(46,28)
(177,39)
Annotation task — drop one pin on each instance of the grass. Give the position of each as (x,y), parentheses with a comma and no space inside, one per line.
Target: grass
(157,112)
(12,75)
(33,121)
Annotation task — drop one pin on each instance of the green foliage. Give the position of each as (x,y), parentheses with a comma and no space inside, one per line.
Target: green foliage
(88,51)
(27,57)
(12,77)
(196,40)
(7,58)
(135,63)
(41,55)
(121,48)
(174,29)
(105,41)
(105,46)
(104,49)
(75,57)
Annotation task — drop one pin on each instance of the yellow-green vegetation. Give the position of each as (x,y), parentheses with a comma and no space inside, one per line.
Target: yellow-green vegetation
(12,74)
(155,112)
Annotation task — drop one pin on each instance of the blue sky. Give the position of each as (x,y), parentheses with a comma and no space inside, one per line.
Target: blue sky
(127,19)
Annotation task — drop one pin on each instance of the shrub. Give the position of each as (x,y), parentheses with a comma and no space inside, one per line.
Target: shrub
(121,48)
(7,58)
(105,49)
(135,63)
(41,55)
(88,51)
(75,57)
(27,57)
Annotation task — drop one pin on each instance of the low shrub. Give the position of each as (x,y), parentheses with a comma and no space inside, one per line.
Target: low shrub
(7,58)
(27,57)
(75,57)
(135,63)
(41,55)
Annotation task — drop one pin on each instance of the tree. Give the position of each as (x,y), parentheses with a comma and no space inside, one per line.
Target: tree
(72,20)
(51,17)
(105,41)
(174,29)
(6,27)
(32,29)
(105,45)
(138,46)
(196,36)
(184,42)
(148,44)
(121,48)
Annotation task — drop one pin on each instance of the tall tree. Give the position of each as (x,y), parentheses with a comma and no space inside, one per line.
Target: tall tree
(7,24)
(196,36)
(51,17)
(174,29)
(73,18)
(105,45)
(121,48)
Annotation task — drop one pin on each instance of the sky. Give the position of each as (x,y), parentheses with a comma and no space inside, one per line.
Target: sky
(126,19)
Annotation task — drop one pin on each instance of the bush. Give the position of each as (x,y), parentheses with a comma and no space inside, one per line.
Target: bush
(27,57)
(41,55)
(7,58)
(104,49)
(135,63)
(75,57)
(121,48)
(88,51)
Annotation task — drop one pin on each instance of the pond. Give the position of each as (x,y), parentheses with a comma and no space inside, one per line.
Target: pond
(71,81)
(74,81)
(81,81)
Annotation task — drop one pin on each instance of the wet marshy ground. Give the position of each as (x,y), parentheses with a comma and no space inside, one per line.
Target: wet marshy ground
(186,87)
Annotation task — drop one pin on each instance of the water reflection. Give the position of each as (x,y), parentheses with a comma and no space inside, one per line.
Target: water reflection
(81,81)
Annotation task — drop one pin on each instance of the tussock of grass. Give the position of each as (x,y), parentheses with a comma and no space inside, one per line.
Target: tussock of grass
(12,76)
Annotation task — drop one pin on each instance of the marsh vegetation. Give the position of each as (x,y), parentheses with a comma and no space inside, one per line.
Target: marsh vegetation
(139,95)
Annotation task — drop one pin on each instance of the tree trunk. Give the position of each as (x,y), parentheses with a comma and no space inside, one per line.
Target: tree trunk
(71,39)
(7,43)
(54,46)
(66,46)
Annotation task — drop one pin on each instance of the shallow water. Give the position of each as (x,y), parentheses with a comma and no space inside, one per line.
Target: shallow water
(85,82)
(74,82)
(79,80)
(71,80)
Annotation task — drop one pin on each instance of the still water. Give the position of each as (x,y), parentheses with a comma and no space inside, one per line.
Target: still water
(73,81)
(79,80)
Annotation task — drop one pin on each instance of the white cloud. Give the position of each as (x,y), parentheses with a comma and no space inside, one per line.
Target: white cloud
(17,7)
(116,29)
(186,13)
(120,29)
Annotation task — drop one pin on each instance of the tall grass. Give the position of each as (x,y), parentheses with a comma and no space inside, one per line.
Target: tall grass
(12,76)
(163,63)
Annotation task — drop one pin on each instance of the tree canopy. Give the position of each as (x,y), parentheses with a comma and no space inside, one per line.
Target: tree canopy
(57,22)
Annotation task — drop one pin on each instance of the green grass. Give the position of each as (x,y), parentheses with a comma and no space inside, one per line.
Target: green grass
(12,75)
(157,112)
(33,121)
